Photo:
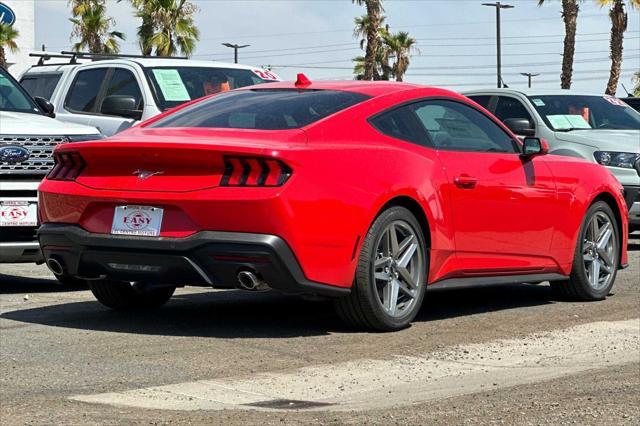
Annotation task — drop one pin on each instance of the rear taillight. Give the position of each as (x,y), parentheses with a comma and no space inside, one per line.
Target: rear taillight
(253,171)
(67,166)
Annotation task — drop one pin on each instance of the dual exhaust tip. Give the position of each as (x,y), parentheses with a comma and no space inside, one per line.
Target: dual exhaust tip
(247,280)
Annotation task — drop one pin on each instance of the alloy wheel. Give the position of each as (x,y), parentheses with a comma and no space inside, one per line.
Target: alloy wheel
(398,268)
(599,251)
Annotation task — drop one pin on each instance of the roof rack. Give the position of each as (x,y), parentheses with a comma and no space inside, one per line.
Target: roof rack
(97,56)
(47,56)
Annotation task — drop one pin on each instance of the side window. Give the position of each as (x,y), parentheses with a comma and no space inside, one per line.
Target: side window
(458,127)
(482,100)
(511,108)
(85,90)
(40,85)
(124,83)
(401,123)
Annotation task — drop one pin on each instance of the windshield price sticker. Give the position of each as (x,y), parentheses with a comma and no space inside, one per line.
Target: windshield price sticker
(568,121)
(538,102)
(18,213)
(171,85)
(266,75)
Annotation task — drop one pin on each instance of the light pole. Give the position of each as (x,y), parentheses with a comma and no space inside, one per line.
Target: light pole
(499,6)
(235,48)
(529,76)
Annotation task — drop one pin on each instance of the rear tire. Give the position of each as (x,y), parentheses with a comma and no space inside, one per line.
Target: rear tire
(596,258)
(122,296)
(390,280)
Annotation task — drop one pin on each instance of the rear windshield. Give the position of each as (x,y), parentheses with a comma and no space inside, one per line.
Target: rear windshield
(41,85)
(173,86)
(262,109)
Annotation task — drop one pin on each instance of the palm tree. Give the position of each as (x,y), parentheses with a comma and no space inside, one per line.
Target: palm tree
(381,69)
(92,26)
(374,10)
(8,36)
(636,79)
(400,46)
(167,26)
(570,10)
(619,19)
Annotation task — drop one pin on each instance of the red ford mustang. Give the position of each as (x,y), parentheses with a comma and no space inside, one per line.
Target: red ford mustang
(367,193)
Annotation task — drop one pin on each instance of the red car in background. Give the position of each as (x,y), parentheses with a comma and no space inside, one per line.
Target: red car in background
(365,192)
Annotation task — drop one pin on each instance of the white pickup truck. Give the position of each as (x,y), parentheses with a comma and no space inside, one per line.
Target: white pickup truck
(28,135)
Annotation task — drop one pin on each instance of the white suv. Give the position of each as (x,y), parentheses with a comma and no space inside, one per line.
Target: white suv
(115,93)
(601,129)
(28,136)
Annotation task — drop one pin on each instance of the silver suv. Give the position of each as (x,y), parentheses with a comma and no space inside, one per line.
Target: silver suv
(598,128)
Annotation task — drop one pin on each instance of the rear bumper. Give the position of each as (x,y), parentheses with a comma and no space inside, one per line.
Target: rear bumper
(205,258)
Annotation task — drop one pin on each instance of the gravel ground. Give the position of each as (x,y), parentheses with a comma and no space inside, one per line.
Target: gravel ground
(56,343)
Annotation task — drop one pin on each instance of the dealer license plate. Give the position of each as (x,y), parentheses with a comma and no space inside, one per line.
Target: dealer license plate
(18,213)
(143,221)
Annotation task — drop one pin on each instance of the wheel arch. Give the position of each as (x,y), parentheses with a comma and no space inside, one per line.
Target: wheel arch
(415,208)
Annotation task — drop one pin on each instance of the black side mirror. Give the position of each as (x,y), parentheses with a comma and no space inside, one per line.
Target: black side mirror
(46,106)
(533,147)
(121,106)
(520,126)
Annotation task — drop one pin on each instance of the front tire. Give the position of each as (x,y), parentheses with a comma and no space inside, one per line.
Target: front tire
(122,296)
(390,280)
(596,258)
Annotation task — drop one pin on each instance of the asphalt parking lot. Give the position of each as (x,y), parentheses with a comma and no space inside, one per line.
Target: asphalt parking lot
(482,356)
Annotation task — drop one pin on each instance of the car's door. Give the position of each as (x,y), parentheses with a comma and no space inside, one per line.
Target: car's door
(503,206)
(80,100)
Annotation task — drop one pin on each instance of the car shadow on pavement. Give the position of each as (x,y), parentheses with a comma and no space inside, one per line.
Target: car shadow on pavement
(237,314)
(12,284)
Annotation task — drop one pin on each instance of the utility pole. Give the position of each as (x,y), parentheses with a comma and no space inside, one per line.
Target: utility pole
(235,48)
(529,76)
(499,6)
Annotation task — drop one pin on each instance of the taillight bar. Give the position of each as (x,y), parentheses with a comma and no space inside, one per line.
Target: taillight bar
(67,166)
(254,171)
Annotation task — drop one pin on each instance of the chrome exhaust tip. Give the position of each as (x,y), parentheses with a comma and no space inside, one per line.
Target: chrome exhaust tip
(55,266)
(251,282)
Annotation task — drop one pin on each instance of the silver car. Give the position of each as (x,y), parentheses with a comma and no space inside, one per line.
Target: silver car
(598,128)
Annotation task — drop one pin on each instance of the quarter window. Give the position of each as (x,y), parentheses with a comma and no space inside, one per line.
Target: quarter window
(455,126)
(85,90)
(401,123)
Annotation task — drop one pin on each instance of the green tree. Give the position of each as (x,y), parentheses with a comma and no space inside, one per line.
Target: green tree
(381,70)
(373,22)
(570,10)
(400,47)
(93,27)
(167,28)
(8,36)
(619,20)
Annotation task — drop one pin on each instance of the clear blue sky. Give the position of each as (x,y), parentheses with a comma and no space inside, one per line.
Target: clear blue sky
(456,38)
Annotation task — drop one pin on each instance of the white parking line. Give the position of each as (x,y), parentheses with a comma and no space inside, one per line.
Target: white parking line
(402,380)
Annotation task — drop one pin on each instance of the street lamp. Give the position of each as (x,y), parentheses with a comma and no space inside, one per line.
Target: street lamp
(235,48)
(499,6)
(530,76)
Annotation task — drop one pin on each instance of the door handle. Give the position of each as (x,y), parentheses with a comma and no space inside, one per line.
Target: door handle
(465,182)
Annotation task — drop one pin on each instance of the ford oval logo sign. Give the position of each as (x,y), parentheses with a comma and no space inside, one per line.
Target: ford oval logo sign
(6,15)
(14,154)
